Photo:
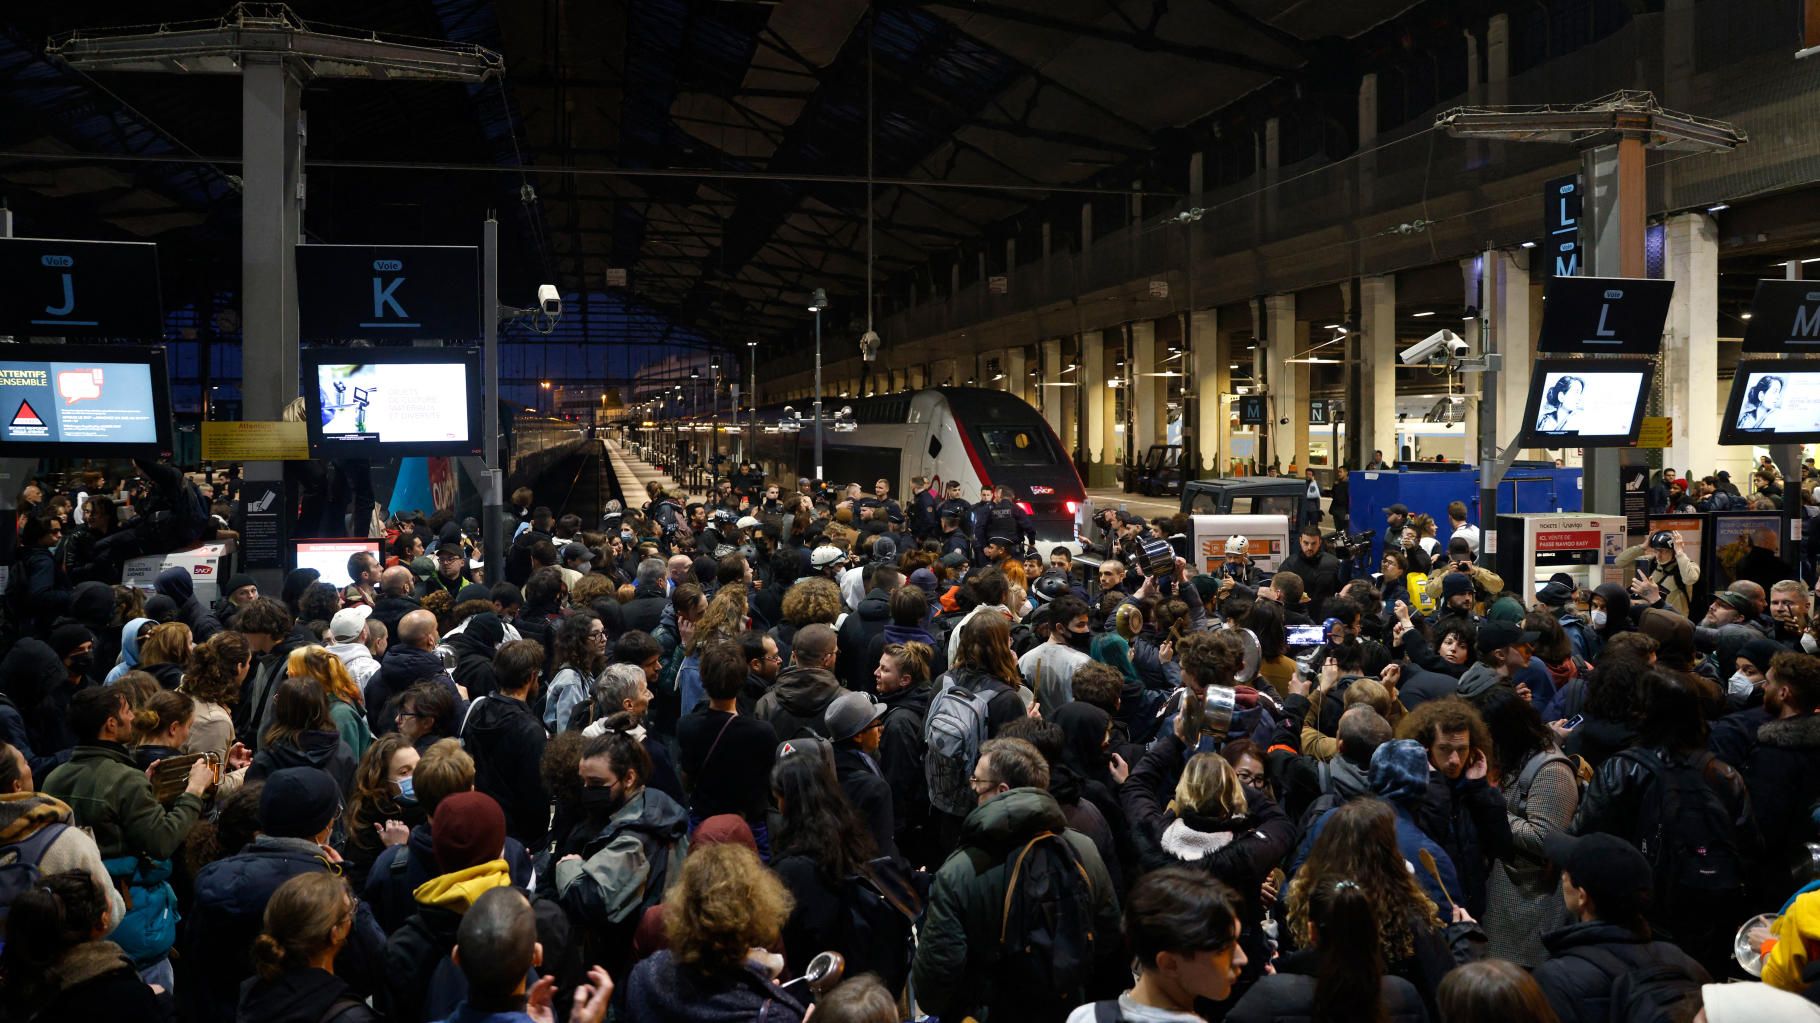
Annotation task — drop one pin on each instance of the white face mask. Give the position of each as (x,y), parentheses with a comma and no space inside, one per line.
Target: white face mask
(1739,684)
(1809,644)
(1598,618)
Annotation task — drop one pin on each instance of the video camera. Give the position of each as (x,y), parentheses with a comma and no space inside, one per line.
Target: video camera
(1349,546)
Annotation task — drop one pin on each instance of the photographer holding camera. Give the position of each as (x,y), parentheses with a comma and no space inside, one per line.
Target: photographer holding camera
(1462,561)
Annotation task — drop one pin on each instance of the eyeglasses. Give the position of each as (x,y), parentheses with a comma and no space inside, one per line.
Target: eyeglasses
(981,784)
(597,634)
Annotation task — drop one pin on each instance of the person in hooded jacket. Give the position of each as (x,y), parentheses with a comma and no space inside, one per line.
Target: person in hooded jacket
(303,734)
(474,648)
(92,606)
(1734,736)
(130,634)
(867,622)
(909,623)
(506,740)
(1783,771)
(309,926)
(1399,777)
(1086,732)
(57,959)
(180,586)
(422,983)
(297,811)
(624,853)
(1212,822)
(29,673)
(795,706)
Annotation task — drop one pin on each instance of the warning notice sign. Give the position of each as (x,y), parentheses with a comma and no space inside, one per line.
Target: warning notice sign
(1567,540)
(77,403)
(26,422)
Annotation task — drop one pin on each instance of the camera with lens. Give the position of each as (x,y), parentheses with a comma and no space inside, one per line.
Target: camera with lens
(1347,546)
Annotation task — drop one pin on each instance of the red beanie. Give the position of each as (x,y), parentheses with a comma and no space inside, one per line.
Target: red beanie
(468,829)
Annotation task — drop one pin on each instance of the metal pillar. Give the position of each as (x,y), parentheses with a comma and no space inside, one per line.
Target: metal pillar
(818,393)
(494,526)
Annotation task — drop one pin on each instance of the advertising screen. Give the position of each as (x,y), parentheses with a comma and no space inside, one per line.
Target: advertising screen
(375,402)
(330,557)
(1772,402)
(1585,403)
(81,401)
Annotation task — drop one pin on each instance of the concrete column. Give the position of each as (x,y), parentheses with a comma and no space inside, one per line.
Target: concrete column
(1678,38)
(1507,305)
(1086,254)
(1376,418)
(1010,255)
(954,280)
(1196,172)
(1147,403)
(1017,372)
(1472,294)
(1497,59)
(1281,377)
(1368,137)
(1272,129)
(1094,396)
(1051,397)
(1212,382)
(1690,344)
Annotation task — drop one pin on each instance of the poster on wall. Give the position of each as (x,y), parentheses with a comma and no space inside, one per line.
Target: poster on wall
(1634,479)
(1747,545)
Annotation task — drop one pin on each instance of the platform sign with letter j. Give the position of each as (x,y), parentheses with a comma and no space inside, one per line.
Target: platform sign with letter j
(52,287)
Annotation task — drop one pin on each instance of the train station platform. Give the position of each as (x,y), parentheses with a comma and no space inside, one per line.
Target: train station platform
(633,473)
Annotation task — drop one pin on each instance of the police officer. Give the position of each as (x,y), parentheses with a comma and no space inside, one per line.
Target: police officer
(1003,518)
(954,540)
(953,502)
(880,502)
(923,505)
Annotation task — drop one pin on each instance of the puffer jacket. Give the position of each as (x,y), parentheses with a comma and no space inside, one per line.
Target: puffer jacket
(229,912)
(853,663)
(1576,978)
(794,706)
(1783,777)
(662,991)
(957,952)
(177,584)
(422,983)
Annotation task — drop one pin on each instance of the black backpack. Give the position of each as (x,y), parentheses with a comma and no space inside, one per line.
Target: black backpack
(1685,831)
(19,866)
(1046,938)
(881,903)
(1652,991)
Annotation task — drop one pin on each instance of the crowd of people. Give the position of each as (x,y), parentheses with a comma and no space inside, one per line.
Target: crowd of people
(658,767)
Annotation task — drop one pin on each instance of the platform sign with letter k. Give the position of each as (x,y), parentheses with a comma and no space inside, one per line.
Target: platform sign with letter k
(388,312)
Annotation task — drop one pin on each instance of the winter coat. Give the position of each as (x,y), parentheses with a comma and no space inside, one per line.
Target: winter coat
(853,664)
(177,584)
(111,796)
(506,740)
(322,750)
(1523,893)
(402,869)
(900,757)
(794,706)
(308,995)
(626,863)
(1578,983)
(1411,840)
(1004,704)
(1783,776)
(869,793)
(421,982)
(646,608)
(25,815)
(45,592)
(229,912)
(30,719)
(253,714)
(358,660)
(958,942)
(95,980)
(473,664)
(1289,998)
(661,990)
(402,667)
(391,609)
(1598,740)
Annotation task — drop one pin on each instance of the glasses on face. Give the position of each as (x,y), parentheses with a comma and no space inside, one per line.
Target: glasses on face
(597,634)
(982,784)
(1249,777)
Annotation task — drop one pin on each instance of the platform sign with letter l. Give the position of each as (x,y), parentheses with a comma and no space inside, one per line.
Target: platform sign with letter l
(1559,254)
(388,291)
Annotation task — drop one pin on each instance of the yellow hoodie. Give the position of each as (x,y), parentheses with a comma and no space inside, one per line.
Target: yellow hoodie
(1797,934)
(457,891)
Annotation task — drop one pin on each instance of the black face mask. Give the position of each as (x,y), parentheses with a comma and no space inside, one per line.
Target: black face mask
(1082,641)
(81,663)
(604,801)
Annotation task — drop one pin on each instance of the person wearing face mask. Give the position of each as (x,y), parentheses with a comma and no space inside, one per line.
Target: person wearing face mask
(504,736)
(1734,736)
(382,807)
(1048,668)
(628,847)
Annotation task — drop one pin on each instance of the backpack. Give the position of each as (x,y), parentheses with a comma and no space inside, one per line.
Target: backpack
(1527,776)
(880,904)
(1653,991)
(19,871)
(953,732)
(1046,938)
(1417,585)
(1685,831)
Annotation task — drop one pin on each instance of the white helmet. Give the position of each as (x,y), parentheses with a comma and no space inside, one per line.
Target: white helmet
(1236,545)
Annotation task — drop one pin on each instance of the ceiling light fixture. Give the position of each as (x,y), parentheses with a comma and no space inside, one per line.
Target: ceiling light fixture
(1425,312)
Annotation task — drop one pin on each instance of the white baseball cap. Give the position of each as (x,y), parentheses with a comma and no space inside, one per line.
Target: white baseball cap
(346,625)
(747,522)
(822,557)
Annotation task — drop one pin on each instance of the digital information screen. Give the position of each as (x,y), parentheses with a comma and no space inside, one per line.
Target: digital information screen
(330,557)
(1772,402)
(1585,403)
(81,403)
(395,404)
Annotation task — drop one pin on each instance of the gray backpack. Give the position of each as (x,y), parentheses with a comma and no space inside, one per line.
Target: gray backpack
(953,732)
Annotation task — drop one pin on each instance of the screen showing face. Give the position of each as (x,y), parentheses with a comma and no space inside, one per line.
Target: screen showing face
(330,557)
(1780,402)
(401,403)
(1588,403)
(100,403)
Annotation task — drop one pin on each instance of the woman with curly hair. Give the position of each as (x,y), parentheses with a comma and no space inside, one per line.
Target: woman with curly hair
(725,908)
(580,656)
(58,963)
(382,808)
(213,675)
(724,620)
(811,601)
(345,706)
(1359,844)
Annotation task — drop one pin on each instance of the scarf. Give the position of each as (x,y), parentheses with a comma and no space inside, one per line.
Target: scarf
(1563,673)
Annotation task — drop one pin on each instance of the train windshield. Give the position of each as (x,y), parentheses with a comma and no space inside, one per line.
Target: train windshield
(1017,446)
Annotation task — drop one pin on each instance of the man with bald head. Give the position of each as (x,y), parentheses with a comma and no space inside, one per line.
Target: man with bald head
(496,948)
(410,659)
(396,599)
(680,569)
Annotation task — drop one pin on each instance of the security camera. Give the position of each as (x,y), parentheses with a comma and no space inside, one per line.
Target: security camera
(1442,344)
(549,299)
